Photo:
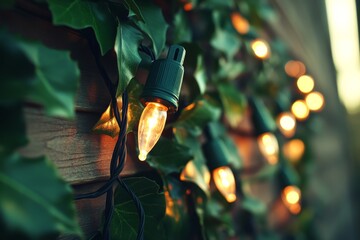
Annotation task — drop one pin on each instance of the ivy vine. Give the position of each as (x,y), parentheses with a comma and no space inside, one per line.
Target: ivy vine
(220,71)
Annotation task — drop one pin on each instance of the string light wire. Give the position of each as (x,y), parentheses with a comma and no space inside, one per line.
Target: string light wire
(119,154)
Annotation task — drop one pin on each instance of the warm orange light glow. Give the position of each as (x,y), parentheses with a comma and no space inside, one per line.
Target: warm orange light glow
(240,23)
(305,83)
(199,176)
(295,68)
(286,123)
(188,7)
(294,150)
(269,147)
(225,182)
(300,110)
(315,101)
(261,48)
(291,197)
(151,125)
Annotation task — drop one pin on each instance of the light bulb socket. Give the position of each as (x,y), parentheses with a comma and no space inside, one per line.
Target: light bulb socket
(214,152)
(165,79)
(261,118)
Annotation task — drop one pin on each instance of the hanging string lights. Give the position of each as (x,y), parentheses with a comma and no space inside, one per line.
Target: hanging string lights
(214,150)
(160,96)
(264,126)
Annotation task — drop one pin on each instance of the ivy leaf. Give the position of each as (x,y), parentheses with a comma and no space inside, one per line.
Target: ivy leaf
(37,73)
(234,104)
(125,219)
(134,9)
(196,170)
(127,43)
(182,30)
(56,79)
(35,203)
(224,39)
(168,156)
(178,221)
(12,127)
(107,123)
(80,14)
(253,205)
(154,26)
(195,70)
(229,70)
(17,72)
(195,116)
(135,108)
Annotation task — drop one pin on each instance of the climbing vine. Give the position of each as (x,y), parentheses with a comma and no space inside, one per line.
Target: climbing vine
(221,73)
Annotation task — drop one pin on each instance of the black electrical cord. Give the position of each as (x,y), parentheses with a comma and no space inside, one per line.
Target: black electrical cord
(119,154)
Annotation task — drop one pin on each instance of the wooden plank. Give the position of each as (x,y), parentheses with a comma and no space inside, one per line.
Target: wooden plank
(80,155)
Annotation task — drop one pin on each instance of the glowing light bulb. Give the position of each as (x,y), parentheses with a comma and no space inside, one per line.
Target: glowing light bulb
(295,68)
(225,182)
(261,48)
(269,147)
(241,25)
(300,110)
(286,123)
(305,84)
(315,101)
(294,150)
(151,125)
(291,196)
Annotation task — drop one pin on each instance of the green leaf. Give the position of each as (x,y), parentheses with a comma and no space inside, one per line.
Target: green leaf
(127,43)
(107,123)
(135,107)
(134,9)
(35,203)
(125,220)
(154,26)
(253,205)
(12,127)
(229,70)
(234,104)
(195,116)
(182,29)
(196,170)
(224,39)
(179,220)
(80,14)
(17,72)
(195,74)
(169,156)
(40,74)
(56,82)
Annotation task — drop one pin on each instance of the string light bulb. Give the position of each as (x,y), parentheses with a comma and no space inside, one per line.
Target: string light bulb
(300,110)
(294,150)
(315,101)
(286,123)
(291,196)
(225,182)
(269,147)
(264,126)
(214,150)
(160,96)
(260,48)
(305,83)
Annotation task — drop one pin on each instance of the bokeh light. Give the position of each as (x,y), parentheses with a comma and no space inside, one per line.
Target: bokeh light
(300,110)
